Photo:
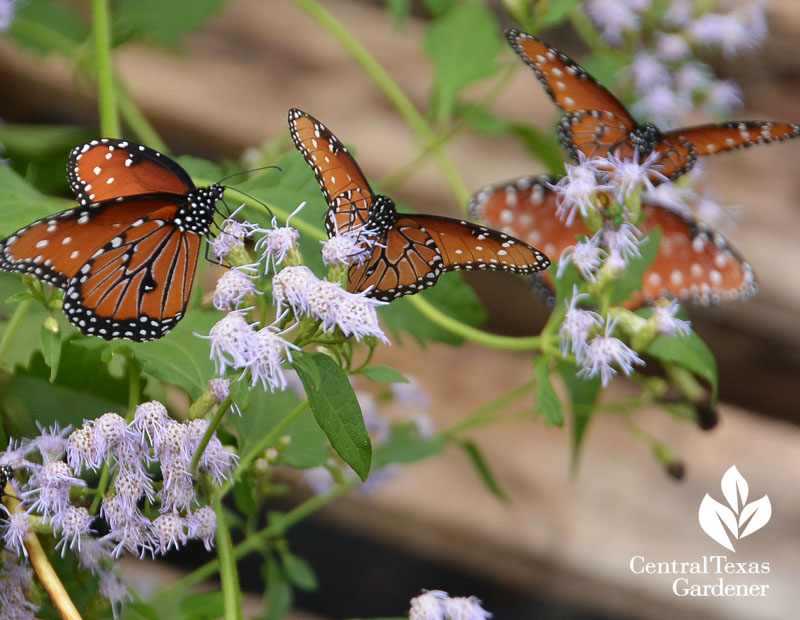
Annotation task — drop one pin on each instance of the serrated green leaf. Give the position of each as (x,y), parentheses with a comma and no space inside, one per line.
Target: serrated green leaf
(298,571)
(460,60)
(482,467)
(155,19)
(383,374)
(583,395)
(179,358)
(691,353)
(406,446)
(547,401)
(335,407)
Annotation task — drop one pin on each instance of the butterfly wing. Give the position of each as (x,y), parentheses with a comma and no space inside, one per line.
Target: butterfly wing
(419,248)
(344,186)
(692,261)
(718,137)
(107,169)
(567,83)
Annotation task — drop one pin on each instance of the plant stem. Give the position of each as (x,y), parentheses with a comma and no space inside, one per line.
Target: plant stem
(227,566)
(137,121)
(257,540)
(269,439)
(13,325)
(390,88)
(134,388)
(212,427)
(102,485)
(484,412)
(106,94)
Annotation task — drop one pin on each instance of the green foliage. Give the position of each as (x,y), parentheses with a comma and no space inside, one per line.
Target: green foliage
(460,60)
(156,20)
(583,395)
(47,26)
(383,374)
(20,204)
(336,409)
(547,402)
(406,446)
(691,353)
(482,468)
(631,280)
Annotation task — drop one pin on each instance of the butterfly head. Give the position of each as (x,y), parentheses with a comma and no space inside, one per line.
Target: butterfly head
(645,138)
(382,216)
(198,212)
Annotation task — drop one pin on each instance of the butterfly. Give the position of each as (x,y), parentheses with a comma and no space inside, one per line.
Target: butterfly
(693,261)
(409,251)
(125,256)
(596,124)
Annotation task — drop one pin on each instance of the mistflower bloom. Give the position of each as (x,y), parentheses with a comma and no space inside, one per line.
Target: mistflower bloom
(663,105)
(202,525)
(17,526)
(731,32)
(82,449)
(7,10)
(51,484)
(131,483)
(116,591)
(232,236)
(318,479)
(324,302)
(220,388)
(410,394)
(16,583)
(623,241)
(577,325)
(233,287)
(602,352)
(577,191)
(586,255)
(357,316)
(74,523)
(110,430)
(723,96)
(612,18)
(15,454)
(428,606)
(377,425)
(169,530)
(465,608)
(647,71)
(667,323)
(693,77)
(51,443)
(151,420)
(290,287)
(216,460)
(350,248)
(671,47)
(93,554)
(628,175)
(424,425)
(229,341)
(268,351)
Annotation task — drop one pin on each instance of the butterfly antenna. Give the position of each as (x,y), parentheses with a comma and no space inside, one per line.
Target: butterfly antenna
(236,174)
(254,199)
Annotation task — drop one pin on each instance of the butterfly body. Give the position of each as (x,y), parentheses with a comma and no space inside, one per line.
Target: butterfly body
(406,252)
(693,261)
(597,124)
(125,257)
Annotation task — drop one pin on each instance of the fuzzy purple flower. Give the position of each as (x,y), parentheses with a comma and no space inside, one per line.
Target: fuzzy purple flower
(115,591)
(169,530)
(586,255)
(202,525)
(577,325)
(233,287)
(268,350)
(577,191)
(17,526)
(229,341)
(603,352)
(667,323)
(350,248)
(74,523)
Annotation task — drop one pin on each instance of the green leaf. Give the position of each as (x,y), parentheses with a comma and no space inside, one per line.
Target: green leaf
(164,22)
(463,44)
(691,353)
(437,7)
(180,357)
(630,281)
(383,374)
(46,26)
(335,408)
(20,203)
(549,13)
(482,467)
(298,571)
(406,446)
(451,295)
(547,401)
(51,349)
(202,606)
(583,395)
(279,592)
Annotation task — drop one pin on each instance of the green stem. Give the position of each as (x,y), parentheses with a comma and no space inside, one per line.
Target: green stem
(256,541)
(137,121)
(483,413)
(212,427)
(227,566)
(102,486)
(106,94)
(268,440)
(134,388)
(390,88)
(13,325)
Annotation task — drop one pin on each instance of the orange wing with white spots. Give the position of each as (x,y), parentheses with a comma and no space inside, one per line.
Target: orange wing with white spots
(126,255)
(692,262)
(417,249)
(596,123)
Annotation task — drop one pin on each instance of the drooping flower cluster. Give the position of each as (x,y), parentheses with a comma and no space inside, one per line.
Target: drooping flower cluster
(438,605)
(16,584)
(665,74)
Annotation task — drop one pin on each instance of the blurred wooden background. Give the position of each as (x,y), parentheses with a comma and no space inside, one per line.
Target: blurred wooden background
(230,87)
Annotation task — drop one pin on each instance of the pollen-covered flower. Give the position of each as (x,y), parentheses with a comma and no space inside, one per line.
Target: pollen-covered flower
(16,584)
(350,248)
(605,351)
(229,337)
(623,241)
(647,71)
(357,316)
(577,325)
(233,287)
(267,353)
(94,553)
(216,460)
(577,191)
(231,237)
(628,175)
(51,442)
(290,288)
(202,525)
(220,388)
(586,255)
(51,485)
(169,530)
(82,449)
(151,420)
(73,523)
(667,323)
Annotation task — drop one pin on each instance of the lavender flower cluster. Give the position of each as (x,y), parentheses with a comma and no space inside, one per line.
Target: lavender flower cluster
(665,75)
(258,350)
(438,605)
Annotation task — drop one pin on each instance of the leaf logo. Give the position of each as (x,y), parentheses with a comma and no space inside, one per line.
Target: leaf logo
(738,519)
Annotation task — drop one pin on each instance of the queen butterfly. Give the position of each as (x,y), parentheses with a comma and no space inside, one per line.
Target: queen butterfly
(597,124)
(411,251)
(125,257)
(693,261)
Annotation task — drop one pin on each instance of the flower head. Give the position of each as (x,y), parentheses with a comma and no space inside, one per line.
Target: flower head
(603,351)
(17,527)
(612,18)
(231,237)
(115,591)
(628,175)
(428,606)
(52,442)
(7,10)
(202,524)
(667,322)
(577,325)
(267,353)
(233,287)
(586,255)
(577,191)
(350,248)
(290,287)
(229,341)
